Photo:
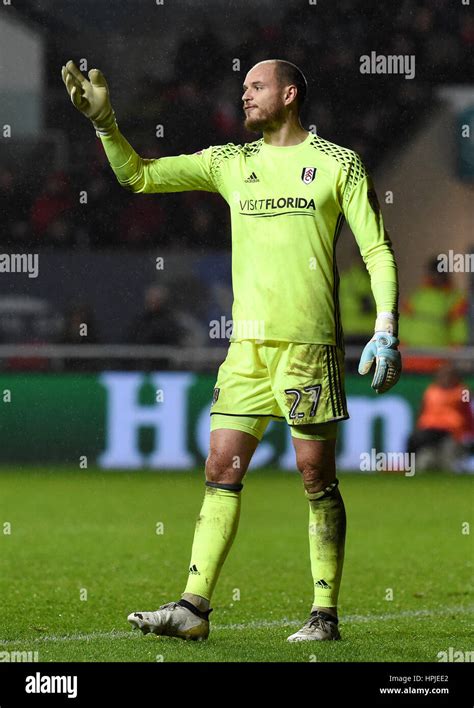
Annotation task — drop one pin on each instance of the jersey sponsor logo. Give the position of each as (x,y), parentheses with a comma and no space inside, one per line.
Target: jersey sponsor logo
(278,206)
(308,174)
(215,395)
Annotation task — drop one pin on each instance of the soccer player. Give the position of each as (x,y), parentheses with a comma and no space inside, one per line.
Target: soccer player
(288,193)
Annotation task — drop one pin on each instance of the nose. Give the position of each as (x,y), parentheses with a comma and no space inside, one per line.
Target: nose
(246,97)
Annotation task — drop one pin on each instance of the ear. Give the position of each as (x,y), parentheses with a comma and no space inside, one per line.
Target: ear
(290,94)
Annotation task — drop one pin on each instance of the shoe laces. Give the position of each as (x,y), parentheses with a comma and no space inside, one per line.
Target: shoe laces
(316,619)
(174,605)
(169,606)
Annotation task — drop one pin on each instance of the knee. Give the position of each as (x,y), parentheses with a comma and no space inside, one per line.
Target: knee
(222,469)
(316,476)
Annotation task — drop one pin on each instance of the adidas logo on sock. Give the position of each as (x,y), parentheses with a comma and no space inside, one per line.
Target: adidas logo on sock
(252,178)
(322,584)
(193,570)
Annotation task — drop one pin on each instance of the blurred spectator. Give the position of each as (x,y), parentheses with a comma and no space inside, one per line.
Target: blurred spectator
(13,201)
(435,315)
(158,323)
(140,222)
(444,431)
(49,206)
(357,304)
(98,217)
(79,325)
(59,232)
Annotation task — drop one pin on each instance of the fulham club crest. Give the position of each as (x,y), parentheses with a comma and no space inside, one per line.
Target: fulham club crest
(308,174)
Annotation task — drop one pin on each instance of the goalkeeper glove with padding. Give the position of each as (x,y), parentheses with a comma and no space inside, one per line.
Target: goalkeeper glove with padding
(90,97)
(382,349)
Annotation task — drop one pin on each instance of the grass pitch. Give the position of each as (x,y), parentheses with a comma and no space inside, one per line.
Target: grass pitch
(79,550)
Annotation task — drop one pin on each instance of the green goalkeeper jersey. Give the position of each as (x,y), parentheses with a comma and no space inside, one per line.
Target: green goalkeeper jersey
(287,206)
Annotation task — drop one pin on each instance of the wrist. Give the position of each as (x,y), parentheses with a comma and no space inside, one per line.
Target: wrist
(387,322)
(105,125)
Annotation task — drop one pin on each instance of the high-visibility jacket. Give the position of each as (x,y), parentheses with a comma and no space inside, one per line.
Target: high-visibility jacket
(447,409)
(434,317)
(356,301)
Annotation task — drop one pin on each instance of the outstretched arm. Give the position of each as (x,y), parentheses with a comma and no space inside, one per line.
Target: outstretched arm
(167,174)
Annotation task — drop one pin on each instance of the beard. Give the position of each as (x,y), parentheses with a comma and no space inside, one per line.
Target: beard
(267,120)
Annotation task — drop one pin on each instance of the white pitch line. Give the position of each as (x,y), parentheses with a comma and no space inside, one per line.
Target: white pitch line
(257,624)
(352,618)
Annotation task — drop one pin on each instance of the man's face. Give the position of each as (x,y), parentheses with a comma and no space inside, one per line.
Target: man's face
(264,106)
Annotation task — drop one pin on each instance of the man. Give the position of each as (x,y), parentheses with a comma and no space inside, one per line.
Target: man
(436,312)
(444,430)
(288,193)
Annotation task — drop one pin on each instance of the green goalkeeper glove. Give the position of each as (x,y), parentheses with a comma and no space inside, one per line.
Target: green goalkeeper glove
(90,97)
(382,349)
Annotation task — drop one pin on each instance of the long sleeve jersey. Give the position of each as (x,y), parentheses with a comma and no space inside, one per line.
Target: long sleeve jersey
(287,205)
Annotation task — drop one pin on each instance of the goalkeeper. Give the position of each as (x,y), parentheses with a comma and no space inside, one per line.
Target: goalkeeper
(289,193)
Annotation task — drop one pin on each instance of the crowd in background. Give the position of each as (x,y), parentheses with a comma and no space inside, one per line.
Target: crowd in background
(200,105)
(81,206)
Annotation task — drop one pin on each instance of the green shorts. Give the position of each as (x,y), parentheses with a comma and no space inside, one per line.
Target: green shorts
(300,383)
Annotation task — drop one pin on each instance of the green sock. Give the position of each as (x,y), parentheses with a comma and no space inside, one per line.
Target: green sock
(215,531)
(327,533)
